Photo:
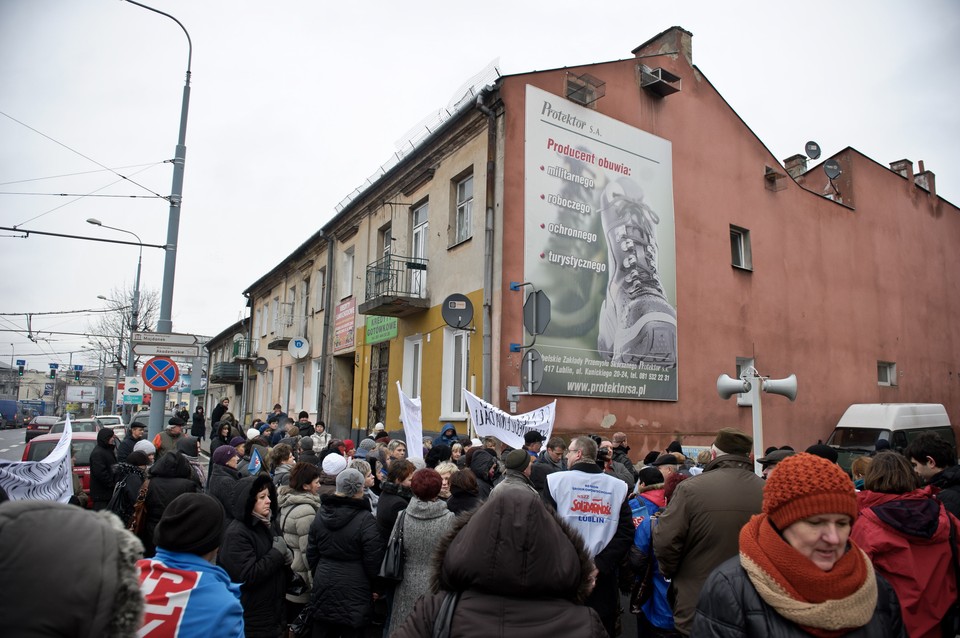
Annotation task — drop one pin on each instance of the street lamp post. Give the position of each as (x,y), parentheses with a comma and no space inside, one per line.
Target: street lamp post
(164,324)
(135,307)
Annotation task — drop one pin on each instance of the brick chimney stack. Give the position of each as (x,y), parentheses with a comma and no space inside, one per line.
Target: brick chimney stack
(926,179)
(904,167)
(796,165)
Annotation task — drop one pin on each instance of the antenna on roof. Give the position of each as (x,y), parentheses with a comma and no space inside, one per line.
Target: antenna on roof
(812,149)
(832,168)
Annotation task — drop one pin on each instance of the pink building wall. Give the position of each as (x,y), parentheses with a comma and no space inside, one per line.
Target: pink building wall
(835,287)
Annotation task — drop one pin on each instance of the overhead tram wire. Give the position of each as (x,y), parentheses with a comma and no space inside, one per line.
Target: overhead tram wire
(107,168)
(82,195)
(112,170)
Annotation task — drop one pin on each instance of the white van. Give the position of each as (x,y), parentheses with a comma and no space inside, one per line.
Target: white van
(863,424)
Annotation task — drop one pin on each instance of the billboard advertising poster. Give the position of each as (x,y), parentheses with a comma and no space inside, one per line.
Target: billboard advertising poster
(599,241)
(344,325)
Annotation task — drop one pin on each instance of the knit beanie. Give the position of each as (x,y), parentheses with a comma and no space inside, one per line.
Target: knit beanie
(146,447)
(349,482)
(237,440)
(191,524)
(306,443)
(333,464)
(137,458)
(223,454)
(252,433)
(805,485)
(517,460)
(187,445)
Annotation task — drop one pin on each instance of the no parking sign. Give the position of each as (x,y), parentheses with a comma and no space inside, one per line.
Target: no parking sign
(160,374)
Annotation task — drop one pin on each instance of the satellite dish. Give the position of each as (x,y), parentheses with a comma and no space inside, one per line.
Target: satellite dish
(832,168)
(298,347)
(260,364)
(813,150)
(457,311)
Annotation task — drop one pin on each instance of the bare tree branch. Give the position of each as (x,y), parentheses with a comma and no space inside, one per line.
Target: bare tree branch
(116,324)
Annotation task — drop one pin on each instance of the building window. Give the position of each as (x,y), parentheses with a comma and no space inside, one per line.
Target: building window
(740,254)
(456,354)
(264,319)
(317,382)
(386,240)
(258,317)
(275,319)
(305,305)
(886,373)
(464,214)
(346,282)
(412,365)
(744,364)
(321,288)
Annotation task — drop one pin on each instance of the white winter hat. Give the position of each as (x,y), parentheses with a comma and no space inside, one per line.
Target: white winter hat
(378,427)
(252,433)
(333,464)
(146,447)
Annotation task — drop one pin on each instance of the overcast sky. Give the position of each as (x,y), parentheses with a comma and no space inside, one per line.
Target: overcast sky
(296,102)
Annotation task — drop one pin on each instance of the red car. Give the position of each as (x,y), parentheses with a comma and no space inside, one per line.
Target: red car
(82,443)
(38,425)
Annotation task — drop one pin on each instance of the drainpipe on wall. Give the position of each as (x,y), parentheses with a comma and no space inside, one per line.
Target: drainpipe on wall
(488,245)
(327,311)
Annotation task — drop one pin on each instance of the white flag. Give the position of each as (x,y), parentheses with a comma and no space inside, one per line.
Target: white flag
(48,479)
(411,414)
(490,420)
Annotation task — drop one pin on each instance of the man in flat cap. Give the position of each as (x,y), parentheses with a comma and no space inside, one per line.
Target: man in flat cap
(516,475)
(700,528)
(186,593)
(166,441)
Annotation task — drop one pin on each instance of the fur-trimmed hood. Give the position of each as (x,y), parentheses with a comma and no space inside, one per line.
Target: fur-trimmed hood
(46,545)
(513,545)
(245,493)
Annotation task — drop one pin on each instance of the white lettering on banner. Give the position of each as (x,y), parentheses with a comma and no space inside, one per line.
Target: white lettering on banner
(411,415)
(490,420)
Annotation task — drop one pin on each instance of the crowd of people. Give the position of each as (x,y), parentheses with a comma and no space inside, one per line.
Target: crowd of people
(285,530)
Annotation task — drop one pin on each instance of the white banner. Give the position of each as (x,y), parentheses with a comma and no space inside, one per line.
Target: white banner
(411,415)
(49,479)
(490,420)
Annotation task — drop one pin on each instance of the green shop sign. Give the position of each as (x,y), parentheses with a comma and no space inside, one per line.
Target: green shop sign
(380,329)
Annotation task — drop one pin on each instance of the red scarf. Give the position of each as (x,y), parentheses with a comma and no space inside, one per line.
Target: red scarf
(825,604)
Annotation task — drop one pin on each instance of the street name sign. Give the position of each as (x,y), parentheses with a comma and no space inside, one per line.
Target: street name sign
(171,339)
(164,350)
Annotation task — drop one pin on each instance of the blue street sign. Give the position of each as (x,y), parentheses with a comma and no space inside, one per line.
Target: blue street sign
(54,366)
(21,362)
(78,368)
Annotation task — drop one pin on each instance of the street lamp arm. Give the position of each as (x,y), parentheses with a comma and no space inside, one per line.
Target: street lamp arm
(189,41)
(27,233)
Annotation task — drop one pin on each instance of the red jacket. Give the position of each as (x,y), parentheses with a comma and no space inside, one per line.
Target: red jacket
(907,536)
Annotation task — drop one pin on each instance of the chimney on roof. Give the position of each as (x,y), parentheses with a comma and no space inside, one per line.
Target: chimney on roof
(904,167)
(796,165)
(926,179)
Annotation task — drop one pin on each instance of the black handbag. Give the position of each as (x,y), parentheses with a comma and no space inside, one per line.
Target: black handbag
(392,566)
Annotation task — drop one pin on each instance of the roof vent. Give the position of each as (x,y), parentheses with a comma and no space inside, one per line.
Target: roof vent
(585,89)
(659,82)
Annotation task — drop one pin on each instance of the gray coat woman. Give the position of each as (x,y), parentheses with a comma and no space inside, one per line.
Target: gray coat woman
(426,521)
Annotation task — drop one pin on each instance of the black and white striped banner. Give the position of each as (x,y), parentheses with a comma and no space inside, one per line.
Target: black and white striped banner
(46,480)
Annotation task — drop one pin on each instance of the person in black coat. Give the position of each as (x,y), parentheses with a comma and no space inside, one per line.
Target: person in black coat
(218,412)
(102,459)
(128,476)
(345,551)
(136,432)
(199,425)
(256,556)
(223,479)
(171,476)
(394,496)
(220,436)
(464,494)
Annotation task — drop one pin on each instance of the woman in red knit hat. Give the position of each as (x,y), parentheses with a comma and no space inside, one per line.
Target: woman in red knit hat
(798,572)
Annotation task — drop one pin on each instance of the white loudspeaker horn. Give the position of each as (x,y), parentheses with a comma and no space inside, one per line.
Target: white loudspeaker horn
(787,387)
(727,386)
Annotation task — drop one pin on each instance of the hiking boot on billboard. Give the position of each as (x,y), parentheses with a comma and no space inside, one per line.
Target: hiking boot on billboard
(637,323)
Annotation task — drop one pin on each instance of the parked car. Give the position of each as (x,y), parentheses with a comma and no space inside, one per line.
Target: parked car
(10,416)
(77,425)
(82,444)
(114,421)
(39,425)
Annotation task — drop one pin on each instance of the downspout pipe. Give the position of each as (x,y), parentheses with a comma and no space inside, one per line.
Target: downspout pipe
(488,248)
(327,312)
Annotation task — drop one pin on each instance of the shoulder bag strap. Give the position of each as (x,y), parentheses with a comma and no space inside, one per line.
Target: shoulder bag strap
(444,621)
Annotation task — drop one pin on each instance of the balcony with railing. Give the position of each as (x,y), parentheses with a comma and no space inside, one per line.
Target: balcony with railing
(396,287)
(245,349)
(226,373)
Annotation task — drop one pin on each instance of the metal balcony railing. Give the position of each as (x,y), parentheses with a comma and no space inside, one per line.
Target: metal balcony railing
(245,348)
(397,276)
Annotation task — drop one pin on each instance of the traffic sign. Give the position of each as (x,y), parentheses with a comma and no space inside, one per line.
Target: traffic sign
(132,391)
(21,362)
(160,374)
(162,350)
(536,312)
(169,339)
